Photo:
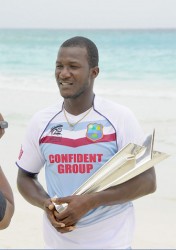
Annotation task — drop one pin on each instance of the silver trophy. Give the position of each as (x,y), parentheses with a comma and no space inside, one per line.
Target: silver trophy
(129,162)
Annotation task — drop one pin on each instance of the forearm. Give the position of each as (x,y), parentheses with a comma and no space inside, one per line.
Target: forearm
(31,189)
(5,187)
(6,201)
(6,215)
(133,189)
(34,193)
(79,205)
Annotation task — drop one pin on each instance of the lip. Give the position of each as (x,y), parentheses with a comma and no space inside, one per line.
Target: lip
(65,83)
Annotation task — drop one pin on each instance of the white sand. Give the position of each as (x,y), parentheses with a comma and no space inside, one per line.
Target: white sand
(155,214)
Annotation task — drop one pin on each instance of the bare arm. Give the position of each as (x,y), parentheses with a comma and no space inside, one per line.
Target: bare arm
(135,188)
(6,195)
(7,201)
(31,189)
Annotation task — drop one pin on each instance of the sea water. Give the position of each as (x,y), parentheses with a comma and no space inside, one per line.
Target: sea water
(137,68)
(134,62)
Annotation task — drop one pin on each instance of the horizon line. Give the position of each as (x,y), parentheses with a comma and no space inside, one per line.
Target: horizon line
(48,28)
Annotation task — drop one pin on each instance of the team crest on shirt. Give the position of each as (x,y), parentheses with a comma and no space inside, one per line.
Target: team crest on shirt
(94,131)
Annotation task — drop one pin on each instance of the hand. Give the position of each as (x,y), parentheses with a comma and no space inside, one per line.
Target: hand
(78,206)
(50,211)
(2,131)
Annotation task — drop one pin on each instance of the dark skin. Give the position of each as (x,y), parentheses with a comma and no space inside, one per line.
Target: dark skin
(7,192)
(2,131)
(75,80)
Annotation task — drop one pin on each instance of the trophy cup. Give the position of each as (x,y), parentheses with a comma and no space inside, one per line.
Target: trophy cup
(129,162)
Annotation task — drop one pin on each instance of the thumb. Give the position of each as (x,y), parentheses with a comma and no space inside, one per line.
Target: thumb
(49,204)
(61,200)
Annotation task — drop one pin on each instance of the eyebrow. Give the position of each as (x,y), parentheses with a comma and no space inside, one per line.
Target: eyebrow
(69,62)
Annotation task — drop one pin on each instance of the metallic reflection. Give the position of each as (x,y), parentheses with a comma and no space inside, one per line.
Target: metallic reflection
(129,162)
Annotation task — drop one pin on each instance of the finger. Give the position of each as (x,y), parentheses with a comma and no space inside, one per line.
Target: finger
(65,229)
(66,219)
(51,206)
(60,216)
(53,220)
(49,209)
(61,200)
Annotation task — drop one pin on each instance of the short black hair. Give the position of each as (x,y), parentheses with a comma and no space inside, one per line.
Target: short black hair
(83,42)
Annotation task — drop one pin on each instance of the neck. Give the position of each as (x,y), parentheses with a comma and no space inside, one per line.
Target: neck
(77,106)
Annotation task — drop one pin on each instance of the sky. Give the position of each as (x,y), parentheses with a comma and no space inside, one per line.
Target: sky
(87,14)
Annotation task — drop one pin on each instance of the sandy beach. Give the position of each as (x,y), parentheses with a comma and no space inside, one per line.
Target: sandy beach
(155,214)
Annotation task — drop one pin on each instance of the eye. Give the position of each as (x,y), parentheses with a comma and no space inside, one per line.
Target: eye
(74,66)
(59,66)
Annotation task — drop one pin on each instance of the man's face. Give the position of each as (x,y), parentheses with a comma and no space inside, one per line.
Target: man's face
(73,74)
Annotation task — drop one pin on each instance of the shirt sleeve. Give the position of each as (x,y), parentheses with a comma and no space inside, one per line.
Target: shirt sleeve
(30,158)
(130,130)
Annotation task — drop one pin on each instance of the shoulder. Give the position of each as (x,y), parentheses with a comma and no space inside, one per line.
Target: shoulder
(122,119)
(110,108)
(46,114)
(40,119)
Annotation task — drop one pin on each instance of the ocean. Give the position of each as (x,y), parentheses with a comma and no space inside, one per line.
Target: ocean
(137,69)
(132,62)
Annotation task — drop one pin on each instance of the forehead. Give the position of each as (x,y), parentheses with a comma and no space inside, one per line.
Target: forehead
(72,54)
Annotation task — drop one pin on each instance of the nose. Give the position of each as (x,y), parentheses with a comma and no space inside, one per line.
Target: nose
(64,73)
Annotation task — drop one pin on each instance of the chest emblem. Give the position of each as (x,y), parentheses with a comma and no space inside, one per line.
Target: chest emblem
(94,131)
(57,130)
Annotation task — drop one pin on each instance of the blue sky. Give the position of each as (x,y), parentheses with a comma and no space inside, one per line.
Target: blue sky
(87,14)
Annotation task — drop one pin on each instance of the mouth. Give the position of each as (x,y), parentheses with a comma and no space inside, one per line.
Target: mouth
(65,83)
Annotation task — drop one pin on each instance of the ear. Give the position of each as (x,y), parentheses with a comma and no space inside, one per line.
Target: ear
(94,72)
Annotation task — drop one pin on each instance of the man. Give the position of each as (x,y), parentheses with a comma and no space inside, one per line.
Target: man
(73,139)
(6,195)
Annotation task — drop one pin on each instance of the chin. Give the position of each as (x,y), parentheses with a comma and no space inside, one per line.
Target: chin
(66,96)
(71,95)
